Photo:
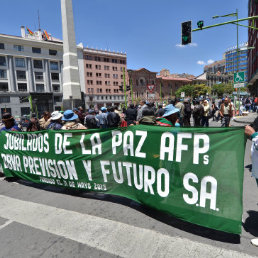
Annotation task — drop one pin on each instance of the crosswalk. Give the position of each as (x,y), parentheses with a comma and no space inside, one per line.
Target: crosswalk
(106,235)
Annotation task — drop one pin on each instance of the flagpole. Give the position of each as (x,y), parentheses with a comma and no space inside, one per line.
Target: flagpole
(160,92)
(124,87)
(131,86)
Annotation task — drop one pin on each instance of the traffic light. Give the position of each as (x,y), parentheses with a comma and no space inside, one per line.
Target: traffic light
(186,32)
(200,24)
(128,88)
(121,88)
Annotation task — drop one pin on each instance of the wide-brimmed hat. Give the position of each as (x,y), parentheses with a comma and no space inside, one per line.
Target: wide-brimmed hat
(91,111)
(69,115)
(56,115)
(7,117)
(103,109)
(170,109)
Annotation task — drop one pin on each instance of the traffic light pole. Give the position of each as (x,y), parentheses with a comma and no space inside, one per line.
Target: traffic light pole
(236,22)
(238,90)
(229,22)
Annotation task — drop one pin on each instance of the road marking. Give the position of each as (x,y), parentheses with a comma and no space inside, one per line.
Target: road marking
(6,224)
(110,236)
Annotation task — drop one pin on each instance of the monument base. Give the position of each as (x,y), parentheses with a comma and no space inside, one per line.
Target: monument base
(71,104)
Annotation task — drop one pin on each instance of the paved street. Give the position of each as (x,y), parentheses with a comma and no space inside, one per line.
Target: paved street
(44,221)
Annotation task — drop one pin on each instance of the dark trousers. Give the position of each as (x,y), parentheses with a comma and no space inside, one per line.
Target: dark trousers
(205,121)
(197,122)
(225,121)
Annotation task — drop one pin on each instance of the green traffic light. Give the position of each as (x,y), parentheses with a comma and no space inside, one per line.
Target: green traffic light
(200,24)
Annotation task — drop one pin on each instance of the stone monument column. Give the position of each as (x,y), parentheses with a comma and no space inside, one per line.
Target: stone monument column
(71,79)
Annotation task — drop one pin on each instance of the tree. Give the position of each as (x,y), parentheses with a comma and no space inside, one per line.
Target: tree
(221,89)
(196,90)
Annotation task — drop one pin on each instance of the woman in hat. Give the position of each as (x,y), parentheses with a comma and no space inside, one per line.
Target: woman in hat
(170,117)
(70,120)
(56,122)
(9,123)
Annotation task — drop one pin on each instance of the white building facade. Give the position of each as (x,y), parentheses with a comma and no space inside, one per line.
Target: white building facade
(32,66)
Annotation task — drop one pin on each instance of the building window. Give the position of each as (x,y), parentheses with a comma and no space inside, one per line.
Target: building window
(5,99)
(107,83)
(122,62)
(53,65)
(37,64)
(121,76)
(57,99)
(107,75)
(106,67)
(36,50)
(2,61)
(114,68)
(89,74)
(18,47)
(55,76)
(40,88)
(21,75)
(99,82)
(38,76)
(115,76)
(88,57)
(19,62)
(88,66)
(114,61)
(1,45)
(115,90)
(52,52)
(98,74)
(98,67)
(106,59)
(90,90)
(108,90)
(115,83)
(23,99)
(89,82)
(56,88)
(97,58)
(22,86)
(4,87)
(3,74)
(25,111)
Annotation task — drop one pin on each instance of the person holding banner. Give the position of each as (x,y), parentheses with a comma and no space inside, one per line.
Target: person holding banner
(249,131)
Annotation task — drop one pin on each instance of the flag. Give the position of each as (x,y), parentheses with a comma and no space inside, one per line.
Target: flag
(31,105)
(46,35)
(29,31)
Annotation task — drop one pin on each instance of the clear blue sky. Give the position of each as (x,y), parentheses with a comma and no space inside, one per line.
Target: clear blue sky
(147,30)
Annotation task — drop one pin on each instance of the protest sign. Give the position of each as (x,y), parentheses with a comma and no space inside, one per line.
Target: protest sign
(195,174)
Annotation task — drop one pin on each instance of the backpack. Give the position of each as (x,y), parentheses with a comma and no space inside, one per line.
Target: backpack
(91,122)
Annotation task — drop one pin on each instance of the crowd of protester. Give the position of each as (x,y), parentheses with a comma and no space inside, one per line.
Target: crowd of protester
(176,113)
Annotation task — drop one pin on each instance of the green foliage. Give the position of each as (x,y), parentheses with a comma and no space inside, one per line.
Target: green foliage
(194,90)
(221,89)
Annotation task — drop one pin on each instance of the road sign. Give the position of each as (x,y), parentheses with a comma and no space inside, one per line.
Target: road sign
(239,85)
(151,88)
(182,94)
(239,77)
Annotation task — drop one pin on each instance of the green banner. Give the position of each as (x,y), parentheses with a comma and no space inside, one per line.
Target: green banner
(195,174)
